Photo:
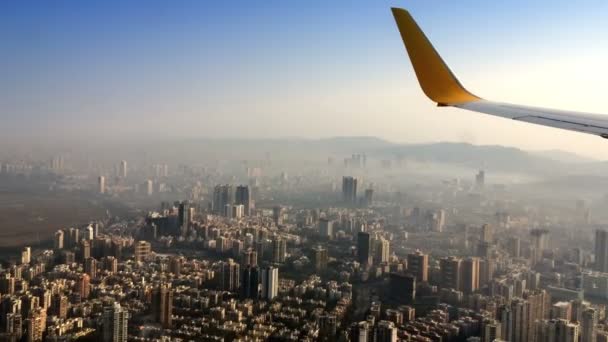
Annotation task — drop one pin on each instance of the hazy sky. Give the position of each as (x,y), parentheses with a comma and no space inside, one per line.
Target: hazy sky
(112,69)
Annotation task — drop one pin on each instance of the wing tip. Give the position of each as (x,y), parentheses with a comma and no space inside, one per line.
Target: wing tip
(434,76)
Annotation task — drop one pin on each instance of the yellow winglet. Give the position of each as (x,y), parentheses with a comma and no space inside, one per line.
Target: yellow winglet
(436,79)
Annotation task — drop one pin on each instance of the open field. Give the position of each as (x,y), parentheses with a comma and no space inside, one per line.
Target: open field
(30,217)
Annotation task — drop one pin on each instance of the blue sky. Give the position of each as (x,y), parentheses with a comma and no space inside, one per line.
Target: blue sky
(112,69)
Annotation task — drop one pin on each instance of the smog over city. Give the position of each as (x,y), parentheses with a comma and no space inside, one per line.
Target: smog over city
(274,171)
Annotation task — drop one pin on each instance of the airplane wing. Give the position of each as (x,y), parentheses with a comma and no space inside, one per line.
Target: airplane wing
(441,86)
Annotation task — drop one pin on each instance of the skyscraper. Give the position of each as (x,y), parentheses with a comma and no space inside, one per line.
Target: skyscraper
(149,187)
(90,267)
(59,305)
(250,257)
(250,282)
(277,215)
(364,248)
(556,330)
(279,250)
(418,265)
(26,255)
(243,197)
(487,234)
(36,325)
(402,288)
(115,323)
(386,332)
(101,184)
(326,228)
(162,305)
(223,195)
(183,218)
(143,250)
(270,282)
(58,241)
(382,250)
(349,190)
(360,332)
(540,242)
(229,276)
(491,331)
(369,197)
(122,172)
(589,325)
(480,179)
(601,250)
(320,258)
(469,278)
(83,286)
(450,272)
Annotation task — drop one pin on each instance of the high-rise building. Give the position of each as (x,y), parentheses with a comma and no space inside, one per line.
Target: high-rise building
(514,247)
(85,250)
(320,258)
(601,250)
(143,251)
(36,325)
(540,242)
(360,332)
(73,237)
(59,305)
(229,276)
(418,265)
(491,331)
(326,228)
(328,326)
(469,276)
(382,251)
(122,172)
(101,184)
(26,255)
(175,265)
(386,332)
(486,271)
(183,218)
(402,288)
(487,233)
(250,284)
(480,179)
(90,267)
(369,197)
(450,272)
(277,215)
(279,250)
(89,233)
(250,257)
(115,323)
(110,264)
(589,325)
(270,282)
(364,248)
(162,305)
(58,241)
(236,211)
(349,190)
(83,286)
(556,330)
(7,284)
(243,197)
(149,187)
(13,325)
(438,221)
(223,195)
